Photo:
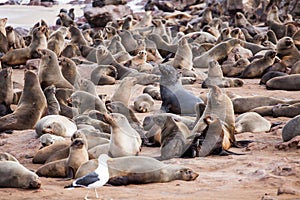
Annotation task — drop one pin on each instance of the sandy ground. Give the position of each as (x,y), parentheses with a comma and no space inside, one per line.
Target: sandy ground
(257,174)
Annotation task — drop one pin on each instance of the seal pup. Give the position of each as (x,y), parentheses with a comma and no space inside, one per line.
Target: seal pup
(6,92)
(31,106)
(14,39)
(66,20)
(15,175)
(251,122)
(124,90)
(143,103)
(56,125)
(104,75)
(77,156)
(48,139)
(234,69)
(175,98)
(290,82)
(287,51)
(257,67)
(152,91)
(49,71)
(20,56)
(124,140)
(173,136)
(53,107)
(69,71)
(269,75)
(7,157)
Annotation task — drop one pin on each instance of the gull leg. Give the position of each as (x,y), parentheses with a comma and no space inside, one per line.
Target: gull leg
(86,196)
(96,194)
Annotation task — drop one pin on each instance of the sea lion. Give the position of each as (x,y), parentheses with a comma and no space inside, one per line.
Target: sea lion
(56,40)
(7,157)
(104,75)
(290,82)
(295,68)
(55,169)
(175,98)
(15,175)
(62,95)
(49,72)
(162,46)
(218,52)
(143,103)
(152,91)
(56,125)
(128,41)
(71,50)
(291,129)
(173,136)
(6,92)
(48,139)
(257,67)
(123,92)
(251,122)
(140,170)
(99,149)
(139,62)
(53,107)
(220,105)
(77,155)
(86,102)
(94,137)
(20,56)
(31,106)
(124,140)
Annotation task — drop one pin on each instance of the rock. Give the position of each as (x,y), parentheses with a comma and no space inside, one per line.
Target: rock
(98,17)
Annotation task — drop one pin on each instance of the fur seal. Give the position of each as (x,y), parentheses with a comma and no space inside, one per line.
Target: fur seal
(104,75)
(257,67)
(14,39)
(124,140)
(4,47)
(244,104)
(31,106)
(56,125)
(53,107)
(77,37)
(140,170)
(15,175)
(20,56)
(152,91)
(49,71)
(77,156)
(220,105)
(235,69)
(6,92)
(251,122)
(69,71)
(281,110)
(87,120)
(56,41)
(290,82)
(55,169)
(175,98)
(86,102)
(143,103)
(173,136)
(269,75)
(183,58)
(218,52)
(48,139)
(123,92)
(287,51)
(7,157)
(65,19)
(291,129)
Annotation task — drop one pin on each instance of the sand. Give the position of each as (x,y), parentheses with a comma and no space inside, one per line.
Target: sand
(256,175)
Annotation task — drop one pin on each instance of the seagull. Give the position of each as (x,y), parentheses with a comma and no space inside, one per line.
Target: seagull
(94,179)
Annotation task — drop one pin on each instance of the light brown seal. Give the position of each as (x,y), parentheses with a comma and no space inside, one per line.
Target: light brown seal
(6,92)
(31,106)
(49,71)
(124,141)
(56,41)
(53,107)
(14,39)
(15,175)
(183,57)
(290,82)
(251,122)
(143,103)
(140,170)
(123,92)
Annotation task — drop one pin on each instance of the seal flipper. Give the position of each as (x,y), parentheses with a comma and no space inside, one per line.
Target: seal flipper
(241,143)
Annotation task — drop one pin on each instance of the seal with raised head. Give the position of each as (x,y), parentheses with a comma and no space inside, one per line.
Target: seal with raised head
(124,140)
(6,92)
(175,98)
(31,106)
(15,175)
(49,71)
(53,107)
(56,41)
(123,92)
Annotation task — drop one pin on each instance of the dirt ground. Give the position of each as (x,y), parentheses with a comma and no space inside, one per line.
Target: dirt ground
(257,174)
